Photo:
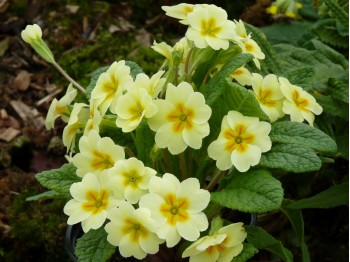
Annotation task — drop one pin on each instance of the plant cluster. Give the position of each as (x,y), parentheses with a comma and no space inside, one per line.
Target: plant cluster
(154,159)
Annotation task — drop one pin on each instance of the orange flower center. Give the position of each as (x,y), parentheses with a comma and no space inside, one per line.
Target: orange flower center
(238,139)
(97,201)
(181,118)
(175,210)
(134,229)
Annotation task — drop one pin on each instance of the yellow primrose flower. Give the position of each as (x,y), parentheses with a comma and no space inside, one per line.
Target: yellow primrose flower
(249,46)
(130,179)
(60,108)
(94,121)
(153,85)
(110,85)
(181,120)
(31,33)
(132,230)
(242,76)
(77,120)
(132,107)
(299,104)
(208,26)
(97,154)
(179,11)
(222,246)
(164,49)
(269,95)
(91,201)
(241,32)
(241,141)
(177,207)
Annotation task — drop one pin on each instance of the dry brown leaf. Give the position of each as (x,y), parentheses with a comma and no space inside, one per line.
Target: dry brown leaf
(143,37)
(22,80)
(8,134)
(4,4)
(72,9)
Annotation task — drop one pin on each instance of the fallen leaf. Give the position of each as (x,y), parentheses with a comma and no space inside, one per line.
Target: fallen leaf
(72,9)
(143,37)
(4,45)
(4,4)
(22,80)
(8,134)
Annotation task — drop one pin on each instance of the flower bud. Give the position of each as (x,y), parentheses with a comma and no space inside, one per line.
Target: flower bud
(32,35)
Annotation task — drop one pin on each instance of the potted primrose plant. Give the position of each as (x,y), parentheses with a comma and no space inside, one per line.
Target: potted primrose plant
(156,161)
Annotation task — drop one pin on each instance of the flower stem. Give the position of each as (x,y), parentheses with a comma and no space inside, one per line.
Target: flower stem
(64,73)
(217,177)
(183,166)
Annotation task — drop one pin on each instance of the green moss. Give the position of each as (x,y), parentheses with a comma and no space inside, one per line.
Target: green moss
(36,225)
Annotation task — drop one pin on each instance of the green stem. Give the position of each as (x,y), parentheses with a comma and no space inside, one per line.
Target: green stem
(168,161)
(217,177)
(187,64)
(183,166)
(129,152)
(64,73)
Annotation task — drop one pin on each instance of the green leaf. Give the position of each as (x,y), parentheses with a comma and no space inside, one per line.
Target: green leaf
(302,134)
(271,62)
(291,157)
(295,217)
(334,196)
(45,195)
(216,86)
(93,246)
(338,12)
(334,107)
(255,191)
(248,252)
(144,141)
(60,179)
(303,77)
(338,90)
(330,53)
(135,69)
(94,76)
(263,240)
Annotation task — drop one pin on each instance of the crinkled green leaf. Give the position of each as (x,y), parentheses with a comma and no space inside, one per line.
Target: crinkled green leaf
(144,141)
(338,90)
(334,107)
(216,86)
(330,53)
(45,195)
(271,62)
(295,217)
(60,179)
(248,252)
(93,79)
(263,240)
(334,196)
(135,69)
(291,157)
(302,134)
(255,191)
(93,246)
(303,77)
(338,12)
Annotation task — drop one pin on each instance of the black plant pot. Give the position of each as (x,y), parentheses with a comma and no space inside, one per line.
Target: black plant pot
(73,232)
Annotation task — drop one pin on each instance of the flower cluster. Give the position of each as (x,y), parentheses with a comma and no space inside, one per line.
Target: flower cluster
(140,144)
